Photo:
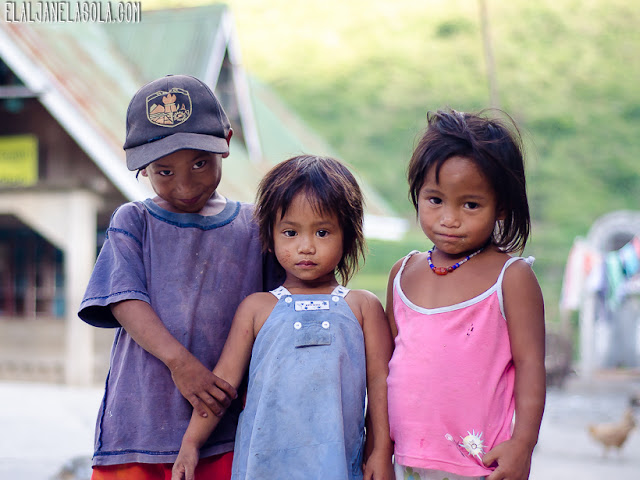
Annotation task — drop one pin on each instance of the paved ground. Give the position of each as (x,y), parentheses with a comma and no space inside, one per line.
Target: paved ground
(43,427)
(565,451)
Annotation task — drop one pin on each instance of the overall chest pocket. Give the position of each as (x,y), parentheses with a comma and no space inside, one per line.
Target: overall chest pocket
(311,329)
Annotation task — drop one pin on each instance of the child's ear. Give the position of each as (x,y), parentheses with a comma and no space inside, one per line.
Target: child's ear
(501,214)
(143,171)
(225,155)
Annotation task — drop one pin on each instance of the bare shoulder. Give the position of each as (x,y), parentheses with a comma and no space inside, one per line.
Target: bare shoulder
(255,309)
(257,302)
(363,304)
(519,271)
(520,286)
(364,298)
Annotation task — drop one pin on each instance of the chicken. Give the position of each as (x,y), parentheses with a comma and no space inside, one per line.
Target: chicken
(613,434)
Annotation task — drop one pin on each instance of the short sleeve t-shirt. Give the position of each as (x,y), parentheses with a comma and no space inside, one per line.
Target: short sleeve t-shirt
(194,271)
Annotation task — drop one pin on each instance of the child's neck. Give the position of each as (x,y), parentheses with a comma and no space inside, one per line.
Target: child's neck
(214,205)
(318,286)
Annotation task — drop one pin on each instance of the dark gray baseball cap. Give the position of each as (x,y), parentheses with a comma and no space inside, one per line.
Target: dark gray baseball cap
(173,113)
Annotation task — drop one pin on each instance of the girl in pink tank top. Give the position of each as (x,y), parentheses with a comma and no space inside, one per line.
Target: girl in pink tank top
(466,385)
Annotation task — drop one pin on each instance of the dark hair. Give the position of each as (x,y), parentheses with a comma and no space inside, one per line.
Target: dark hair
(497,151)
(330,188)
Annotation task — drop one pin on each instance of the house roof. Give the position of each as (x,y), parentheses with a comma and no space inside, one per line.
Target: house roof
(85,74)
(80,77)
(188,40)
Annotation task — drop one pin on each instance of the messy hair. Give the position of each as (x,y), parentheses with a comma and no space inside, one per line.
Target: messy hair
(330,188)
(495,146)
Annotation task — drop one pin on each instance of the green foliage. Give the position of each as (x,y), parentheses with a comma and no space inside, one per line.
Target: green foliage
(449,28)
(381,256)
(364,73)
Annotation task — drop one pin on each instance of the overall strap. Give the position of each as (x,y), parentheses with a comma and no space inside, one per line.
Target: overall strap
(340,291)
(280,292)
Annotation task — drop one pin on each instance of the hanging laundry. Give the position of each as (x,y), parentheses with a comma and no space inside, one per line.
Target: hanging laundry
(629,259)
(582,272)
(615,277)
(635,241)
(574,276)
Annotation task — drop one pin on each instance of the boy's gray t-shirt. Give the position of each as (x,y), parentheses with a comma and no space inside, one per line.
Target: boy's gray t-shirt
(194,271)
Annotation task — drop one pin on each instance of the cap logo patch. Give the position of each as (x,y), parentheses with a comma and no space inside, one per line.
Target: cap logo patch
(169,109)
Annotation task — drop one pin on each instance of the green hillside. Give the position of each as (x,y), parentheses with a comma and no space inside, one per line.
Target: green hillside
(364,73)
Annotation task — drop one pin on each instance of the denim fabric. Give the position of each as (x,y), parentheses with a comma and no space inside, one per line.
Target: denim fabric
(304,415)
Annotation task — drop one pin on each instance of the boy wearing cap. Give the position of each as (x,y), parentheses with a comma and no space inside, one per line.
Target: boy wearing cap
(170,275)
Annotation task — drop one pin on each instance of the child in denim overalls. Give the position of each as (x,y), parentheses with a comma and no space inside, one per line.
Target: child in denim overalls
(315,347)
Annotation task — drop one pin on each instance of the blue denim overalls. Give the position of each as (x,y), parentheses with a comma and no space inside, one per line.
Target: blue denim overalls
(304,415)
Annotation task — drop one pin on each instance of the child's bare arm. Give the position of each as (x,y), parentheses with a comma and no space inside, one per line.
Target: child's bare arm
(231,366)
(389,304)
(195,381)
(378,348)
(524,310)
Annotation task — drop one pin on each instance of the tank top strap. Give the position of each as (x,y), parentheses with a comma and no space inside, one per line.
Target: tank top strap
(404,262)
(340,291)
(280,292)
(511,260)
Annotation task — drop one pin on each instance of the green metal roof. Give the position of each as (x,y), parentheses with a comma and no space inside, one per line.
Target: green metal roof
(83,65)
(98,67)
(172,41)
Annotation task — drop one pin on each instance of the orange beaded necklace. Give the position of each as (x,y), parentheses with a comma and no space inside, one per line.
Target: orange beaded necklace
(445,270)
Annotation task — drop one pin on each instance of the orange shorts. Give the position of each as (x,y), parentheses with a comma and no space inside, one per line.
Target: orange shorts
(217,467)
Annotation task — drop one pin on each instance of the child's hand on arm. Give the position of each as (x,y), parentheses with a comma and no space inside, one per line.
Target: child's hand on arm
(524,309)
(195,382)
(201,387)
(378,348)
(232,365)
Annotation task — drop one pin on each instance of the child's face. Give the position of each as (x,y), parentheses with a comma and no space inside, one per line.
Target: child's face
(185,179)
(459,213)
(307,244)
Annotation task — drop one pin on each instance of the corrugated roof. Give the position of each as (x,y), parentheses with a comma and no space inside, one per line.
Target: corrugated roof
(95,69)
(85,83)
(170,41)
(82,64)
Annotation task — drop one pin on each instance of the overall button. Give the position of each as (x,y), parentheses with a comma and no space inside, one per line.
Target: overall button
(325,324)
(297,325)
(335,298)
(288,299)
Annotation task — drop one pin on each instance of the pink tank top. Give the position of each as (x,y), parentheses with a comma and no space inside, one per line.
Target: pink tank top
(451,381)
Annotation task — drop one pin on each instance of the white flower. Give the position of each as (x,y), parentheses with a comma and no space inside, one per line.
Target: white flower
(472,443)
